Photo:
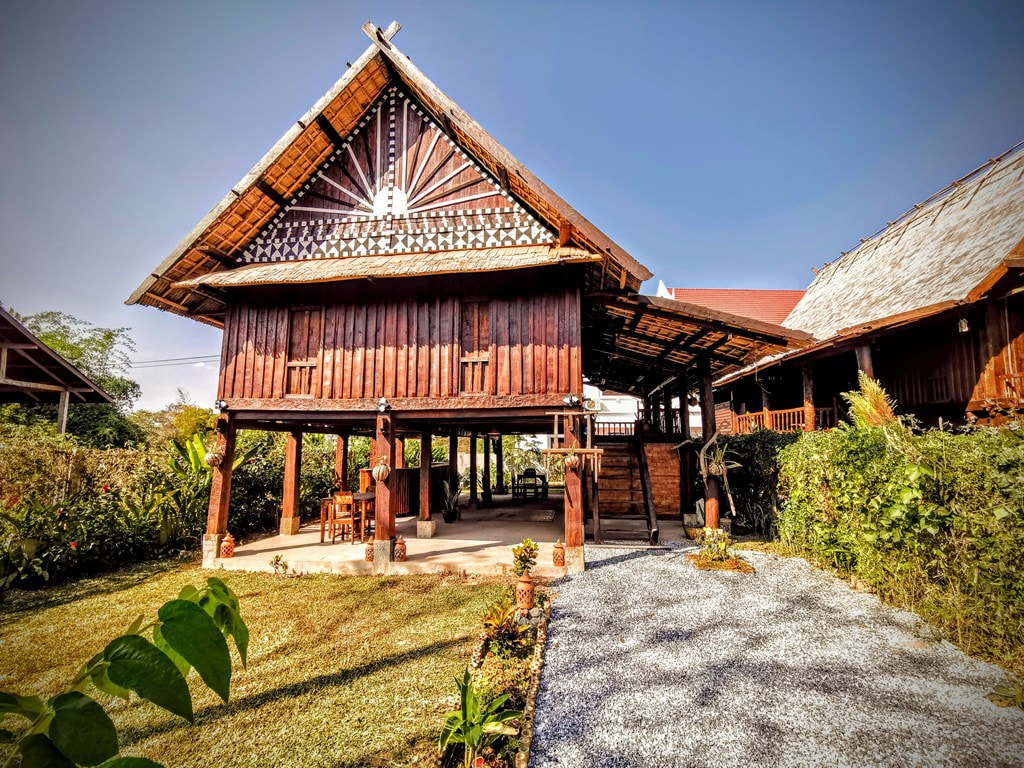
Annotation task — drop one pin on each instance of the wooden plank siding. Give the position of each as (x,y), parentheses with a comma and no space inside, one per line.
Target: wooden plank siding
(414,347)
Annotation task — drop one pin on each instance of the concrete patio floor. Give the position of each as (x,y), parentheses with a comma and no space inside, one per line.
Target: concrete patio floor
(480,543)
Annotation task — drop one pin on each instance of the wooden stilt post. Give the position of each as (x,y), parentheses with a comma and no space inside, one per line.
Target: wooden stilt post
(399,453)
(487,471)
(707,420)
(805,372)
(685,452)
(220,491)
(384,513)
(290,514)
(62,412)
(453,460)
(473,498)
(341,463)
(424,526)
(499,466)
(573,499)
(864,362)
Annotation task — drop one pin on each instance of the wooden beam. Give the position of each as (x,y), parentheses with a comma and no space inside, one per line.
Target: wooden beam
(220,485)
(290,512)
(425,459)
(33,385)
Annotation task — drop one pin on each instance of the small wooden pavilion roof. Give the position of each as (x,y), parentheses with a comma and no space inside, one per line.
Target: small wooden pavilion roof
(394,265)
(215,244)
(31,372)
(638,344)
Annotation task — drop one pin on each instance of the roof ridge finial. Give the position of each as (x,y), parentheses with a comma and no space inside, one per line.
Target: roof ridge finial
(381,37)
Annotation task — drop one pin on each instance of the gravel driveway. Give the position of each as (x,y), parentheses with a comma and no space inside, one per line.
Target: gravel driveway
(650,663)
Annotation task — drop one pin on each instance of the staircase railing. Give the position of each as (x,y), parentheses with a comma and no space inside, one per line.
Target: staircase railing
(645,486)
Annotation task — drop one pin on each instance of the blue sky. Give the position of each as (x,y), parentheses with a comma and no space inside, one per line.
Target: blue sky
(722,143)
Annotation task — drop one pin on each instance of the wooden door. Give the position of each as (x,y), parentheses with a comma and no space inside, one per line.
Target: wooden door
(475,341)
(304,336)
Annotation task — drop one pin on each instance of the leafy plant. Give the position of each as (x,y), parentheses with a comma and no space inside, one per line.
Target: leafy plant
(505,636)
(524,557)
(476,726)
(1010,694)
(73,729)
(714,545)
(450,501)
(871,406)
(279,565)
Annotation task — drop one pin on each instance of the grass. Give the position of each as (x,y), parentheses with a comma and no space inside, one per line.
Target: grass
(732,563)
(343,670)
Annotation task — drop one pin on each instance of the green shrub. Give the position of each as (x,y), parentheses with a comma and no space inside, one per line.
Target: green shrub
(755,482)
(524,557)
(934,521)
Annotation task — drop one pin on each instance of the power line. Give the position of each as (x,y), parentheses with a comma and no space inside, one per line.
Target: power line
(173,360)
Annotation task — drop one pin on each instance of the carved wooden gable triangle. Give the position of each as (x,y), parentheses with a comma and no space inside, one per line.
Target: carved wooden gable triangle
(396,184)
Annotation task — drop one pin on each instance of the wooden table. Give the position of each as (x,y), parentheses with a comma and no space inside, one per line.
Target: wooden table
(364,504)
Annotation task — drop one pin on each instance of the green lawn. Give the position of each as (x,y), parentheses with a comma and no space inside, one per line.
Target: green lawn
(343,671)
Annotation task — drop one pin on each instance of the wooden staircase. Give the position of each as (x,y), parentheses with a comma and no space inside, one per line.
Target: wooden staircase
(624,510)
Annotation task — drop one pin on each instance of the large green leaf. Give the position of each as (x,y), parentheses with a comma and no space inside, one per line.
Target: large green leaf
(81,730)
(158,640)
(190,631)
(130,762)
(99,678)
(137,664)
(26,706)
(37,751)
(222,605)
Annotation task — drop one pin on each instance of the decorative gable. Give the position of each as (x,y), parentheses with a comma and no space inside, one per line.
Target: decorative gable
(396,184)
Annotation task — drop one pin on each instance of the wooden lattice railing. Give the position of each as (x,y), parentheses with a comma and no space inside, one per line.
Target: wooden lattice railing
(613,428)
(788,420)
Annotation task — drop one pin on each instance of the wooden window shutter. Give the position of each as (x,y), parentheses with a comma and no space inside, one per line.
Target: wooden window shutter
(304,338)
(475,340)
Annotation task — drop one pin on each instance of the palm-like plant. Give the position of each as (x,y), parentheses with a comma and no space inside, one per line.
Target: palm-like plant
(871,406)
(473,726)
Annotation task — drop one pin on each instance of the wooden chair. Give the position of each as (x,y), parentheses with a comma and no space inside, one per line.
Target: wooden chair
(342,516)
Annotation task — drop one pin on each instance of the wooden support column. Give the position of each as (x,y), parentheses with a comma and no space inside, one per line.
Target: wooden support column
(290,514)
(864,361)
(487,470)
(670,427)
(499,466)
(684,410)
(805,372)
(425,475)
(384,514)
(62,412)
(220,491)
(473,498)
(656,412)
(707,420)
(341,463)
(573,497)
(453,460)
(399,453)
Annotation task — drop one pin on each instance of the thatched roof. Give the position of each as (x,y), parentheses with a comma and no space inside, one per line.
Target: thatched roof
(394,265)
(217,241)
(948,251)
(939,251)
(31,372)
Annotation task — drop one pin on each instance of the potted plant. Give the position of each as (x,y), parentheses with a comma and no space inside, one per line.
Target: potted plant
(450,502)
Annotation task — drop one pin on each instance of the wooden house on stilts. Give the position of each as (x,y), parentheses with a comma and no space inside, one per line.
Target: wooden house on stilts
(388,269)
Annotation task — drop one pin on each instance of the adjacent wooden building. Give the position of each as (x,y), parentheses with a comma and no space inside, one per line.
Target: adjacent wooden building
(932,306)
(388,269)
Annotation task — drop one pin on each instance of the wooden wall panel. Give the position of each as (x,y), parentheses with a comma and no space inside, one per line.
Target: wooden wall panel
(399,349)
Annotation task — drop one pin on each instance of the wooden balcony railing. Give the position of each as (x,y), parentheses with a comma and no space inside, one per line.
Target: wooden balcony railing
(614,428)
(788,420)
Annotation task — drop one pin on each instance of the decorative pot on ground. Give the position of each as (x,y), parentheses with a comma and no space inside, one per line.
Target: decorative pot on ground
(368,556)
(227,546)
(381,471)
(558,555)
(524,592)
(400,553)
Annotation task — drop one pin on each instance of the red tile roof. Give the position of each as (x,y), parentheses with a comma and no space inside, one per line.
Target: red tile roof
(767,305)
